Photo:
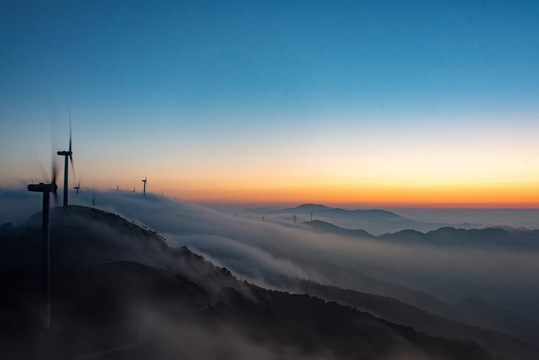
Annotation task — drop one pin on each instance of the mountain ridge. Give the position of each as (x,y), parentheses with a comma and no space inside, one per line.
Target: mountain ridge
(86,242)
(447,235)
(321,207)
(374,221)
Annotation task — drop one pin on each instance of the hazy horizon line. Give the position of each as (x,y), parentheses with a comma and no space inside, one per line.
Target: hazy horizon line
(335,204)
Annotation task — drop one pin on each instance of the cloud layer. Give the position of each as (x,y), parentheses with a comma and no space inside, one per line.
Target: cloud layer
(261,251)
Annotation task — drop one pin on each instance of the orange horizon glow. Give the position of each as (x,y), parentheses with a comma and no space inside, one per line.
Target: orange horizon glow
(456,196)
(396,184)
(383,195)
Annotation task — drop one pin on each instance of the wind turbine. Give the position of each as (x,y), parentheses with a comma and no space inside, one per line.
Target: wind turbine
(66,154)
(46,189)
(77,188)
(144,182)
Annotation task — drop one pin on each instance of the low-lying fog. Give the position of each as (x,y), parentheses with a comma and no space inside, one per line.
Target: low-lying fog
(527,218)
(261,250)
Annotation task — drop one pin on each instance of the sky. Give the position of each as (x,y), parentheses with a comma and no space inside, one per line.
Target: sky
(386,103)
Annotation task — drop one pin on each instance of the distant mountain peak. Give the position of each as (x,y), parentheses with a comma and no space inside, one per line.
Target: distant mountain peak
(311,206)
(325,208)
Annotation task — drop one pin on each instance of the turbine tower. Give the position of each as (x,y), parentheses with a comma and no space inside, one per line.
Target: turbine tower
(46,189)
(66,154)
(144,183)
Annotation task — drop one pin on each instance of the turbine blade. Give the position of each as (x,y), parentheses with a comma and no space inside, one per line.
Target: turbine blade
(72,166)
(54,172)
(55,196)
(69,130)
(46,177)
(43,175)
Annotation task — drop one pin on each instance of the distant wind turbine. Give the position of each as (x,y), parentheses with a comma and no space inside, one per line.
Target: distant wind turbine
(67,154)
(77,188)
(46,189)
(144,182)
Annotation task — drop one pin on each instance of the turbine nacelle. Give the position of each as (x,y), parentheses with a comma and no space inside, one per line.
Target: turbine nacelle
(41,187)
(144,186)
(64,153)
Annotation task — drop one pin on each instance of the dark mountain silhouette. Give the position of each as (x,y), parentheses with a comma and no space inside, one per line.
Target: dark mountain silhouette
(334,229)
(401,313)
(370,215)
(374,221)
(504,238)
(472,311)
(484,238)
(482,312)
(347,278)
(120,292)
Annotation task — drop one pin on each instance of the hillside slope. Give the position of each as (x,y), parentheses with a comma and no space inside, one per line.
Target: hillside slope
(119,290)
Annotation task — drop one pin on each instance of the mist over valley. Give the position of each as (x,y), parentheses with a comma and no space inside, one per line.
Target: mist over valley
(476,285)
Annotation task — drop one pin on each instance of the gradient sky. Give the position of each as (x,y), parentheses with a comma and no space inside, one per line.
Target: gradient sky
(374,103)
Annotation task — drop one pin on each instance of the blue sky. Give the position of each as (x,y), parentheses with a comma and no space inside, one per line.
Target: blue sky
(203,84)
